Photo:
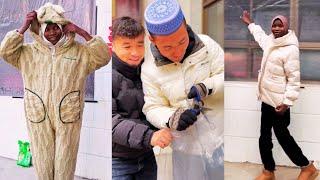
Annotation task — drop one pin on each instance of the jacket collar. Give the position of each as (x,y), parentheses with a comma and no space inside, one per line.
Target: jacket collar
(128,71)
(286,40)
(195,44)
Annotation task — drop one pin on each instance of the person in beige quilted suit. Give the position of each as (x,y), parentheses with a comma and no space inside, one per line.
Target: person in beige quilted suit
(54,69)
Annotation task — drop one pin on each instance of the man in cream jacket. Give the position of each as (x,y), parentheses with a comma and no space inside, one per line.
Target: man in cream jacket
(278,89)
(54,69)
(181,66)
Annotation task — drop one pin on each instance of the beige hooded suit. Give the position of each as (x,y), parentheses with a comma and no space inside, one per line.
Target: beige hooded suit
(54,81)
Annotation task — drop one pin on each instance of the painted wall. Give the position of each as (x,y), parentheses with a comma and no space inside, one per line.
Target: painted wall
(242,124)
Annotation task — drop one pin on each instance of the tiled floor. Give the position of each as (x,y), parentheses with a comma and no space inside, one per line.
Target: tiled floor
(9,170)
(248,171)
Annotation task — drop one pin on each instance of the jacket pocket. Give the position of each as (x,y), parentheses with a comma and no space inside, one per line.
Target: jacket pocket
(34,107)
(69,107)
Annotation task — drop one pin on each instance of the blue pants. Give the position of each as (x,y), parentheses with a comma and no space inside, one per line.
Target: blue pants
(141,168)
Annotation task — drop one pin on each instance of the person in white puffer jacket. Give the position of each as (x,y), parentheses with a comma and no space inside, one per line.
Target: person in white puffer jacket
(181,66)
(278,88)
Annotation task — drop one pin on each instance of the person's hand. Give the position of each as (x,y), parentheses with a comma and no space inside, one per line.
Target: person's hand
(187,118)
(72,28)
(182,119)
(198,91)
(30,17)
(281,109)
(246,17)
(161,138)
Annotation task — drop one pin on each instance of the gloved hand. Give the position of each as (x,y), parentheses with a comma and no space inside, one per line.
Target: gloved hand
(198,91)
(182,119)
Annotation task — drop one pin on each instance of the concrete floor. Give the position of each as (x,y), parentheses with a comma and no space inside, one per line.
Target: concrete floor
(9,170)
(248,171)
(233,171)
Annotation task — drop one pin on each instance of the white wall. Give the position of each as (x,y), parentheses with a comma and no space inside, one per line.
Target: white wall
(94,157)
(192,11)
(242,124)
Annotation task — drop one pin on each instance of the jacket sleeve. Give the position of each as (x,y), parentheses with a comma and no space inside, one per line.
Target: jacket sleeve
(98,53)
(292,71)
(259,35)
(11,48)
(157,107)
(127,132)
(215,82)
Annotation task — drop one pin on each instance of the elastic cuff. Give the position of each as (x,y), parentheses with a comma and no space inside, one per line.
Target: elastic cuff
(147,138)
(202,89)
(251,25)
(18,33)
(92,41)
(174,119)
(288,102)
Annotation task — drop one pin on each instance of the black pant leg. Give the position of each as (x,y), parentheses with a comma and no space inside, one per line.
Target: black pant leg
(265,140)
(287,142)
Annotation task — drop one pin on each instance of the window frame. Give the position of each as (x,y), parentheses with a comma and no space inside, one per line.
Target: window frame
(251,44)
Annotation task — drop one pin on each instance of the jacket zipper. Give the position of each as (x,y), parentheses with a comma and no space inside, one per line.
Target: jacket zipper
(184,68)
(263,71)
(52,62)
(53,51)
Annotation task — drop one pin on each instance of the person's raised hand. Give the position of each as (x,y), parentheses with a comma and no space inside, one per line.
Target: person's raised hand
(246,17)
(30,17)
(72,28)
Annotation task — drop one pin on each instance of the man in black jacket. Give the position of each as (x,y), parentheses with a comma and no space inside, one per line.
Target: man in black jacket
(132,135)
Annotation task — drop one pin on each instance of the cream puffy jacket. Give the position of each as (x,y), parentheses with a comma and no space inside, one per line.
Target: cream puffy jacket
(54,79)
(279,76)
(166,86)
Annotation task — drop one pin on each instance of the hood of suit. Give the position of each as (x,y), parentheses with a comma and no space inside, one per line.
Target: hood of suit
(50,13)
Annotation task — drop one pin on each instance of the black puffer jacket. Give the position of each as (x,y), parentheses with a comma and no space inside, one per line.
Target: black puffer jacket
(131,132)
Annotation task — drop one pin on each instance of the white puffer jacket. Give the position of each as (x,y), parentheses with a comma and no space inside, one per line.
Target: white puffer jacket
(166,86)
(279,77)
